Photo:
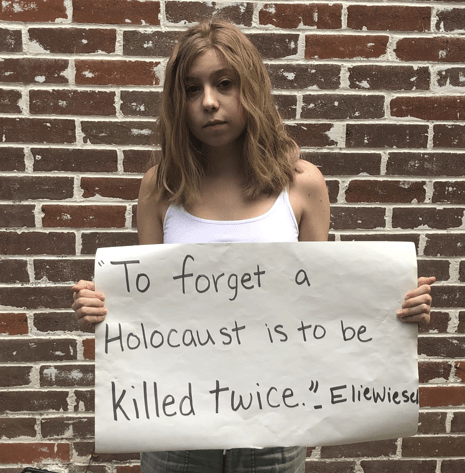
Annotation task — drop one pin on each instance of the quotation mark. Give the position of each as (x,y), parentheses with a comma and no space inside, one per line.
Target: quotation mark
(101,263)
(314,388)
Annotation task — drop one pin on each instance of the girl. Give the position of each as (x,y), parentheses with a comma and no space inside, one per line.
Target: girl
(228,172)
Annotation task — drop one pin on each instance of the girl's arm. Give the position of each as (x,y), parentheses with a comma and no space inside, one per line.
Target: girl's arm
(88,304)
(309,198)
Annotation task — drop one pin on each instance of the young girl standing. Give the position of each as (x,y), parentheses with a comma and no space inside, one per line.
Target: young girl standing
(228,173)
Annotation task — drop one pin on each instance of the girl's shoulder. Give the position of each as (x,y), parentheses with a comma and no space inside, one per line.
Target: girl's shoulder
(150,210)
(308,177)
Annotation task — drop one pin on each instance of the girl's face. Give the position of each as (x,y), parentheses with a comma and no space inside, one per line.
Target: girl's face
(215,115)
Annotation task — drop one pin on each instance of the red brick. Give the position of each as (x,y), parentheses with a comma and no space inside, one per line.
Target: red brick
(458,423)
(432,423)
(425,164)
(431,49)
(381,236)
(56,321)
(17,427)
(337,163)
(75,160)
(449,136)
(452,76)
(16,215)
(89,348)
(15,376)
(374,77)
(29,350)
(122,12)
(128,469)
(35,187)
(434,371)
(333,190)
(439,322)
(462,271)
(24,297)
(275,46)
(452,466)
(9,101)
(139,160)
(397,466)
(312,134)
(84,449)
(436,446)
(286,106)
(36,243)
(12,159)
(74,40)
(363,449)
(152,44)
(351,218)
(13,324)
(85,401)
(67,375)
(37,130)
(441,219)
(13,271)
(32,401)
(33,453)
(450,19)
(72,102)
(112,187)
(386,136)
(320,16)
(445,245)
(139,103)
(84,216)
(460,366)
(33,10)
(119,132)
(429,108)
(440,268)
(67,427)
(315,466)
(93,240)
(116,72)
(450,192)
(193,12)
(345,46)
(34,70)
(342,106)
(388,18)
(63,270)
(10,41)
(448,296)
(304,76)
(385,191)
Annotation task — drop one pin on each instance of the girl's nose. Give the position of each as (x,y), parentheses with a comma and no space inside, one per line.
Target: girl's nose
(210,101)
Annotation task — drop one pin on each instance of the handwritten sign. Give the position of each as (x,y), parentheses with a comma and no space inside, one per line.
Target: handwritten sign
(212,346)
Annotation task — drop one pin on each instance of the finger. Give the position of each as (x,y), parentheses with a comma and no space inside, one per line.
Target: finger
(420,290)
(423,317)
(418,300)
(88,322)
(88,294)
(426,280)
(87,302)
(83,285)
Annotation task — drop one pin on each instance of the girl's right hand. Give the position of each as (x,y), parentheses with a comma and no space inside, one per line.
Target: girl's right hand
(88,305)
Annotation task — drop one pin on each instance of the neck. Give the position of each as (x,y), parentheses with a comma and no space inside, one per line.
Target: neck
(224,161)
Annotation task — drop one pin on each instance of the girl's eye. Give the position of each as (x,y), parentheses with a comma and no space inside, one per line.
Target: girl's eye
(225,83)
(191,90)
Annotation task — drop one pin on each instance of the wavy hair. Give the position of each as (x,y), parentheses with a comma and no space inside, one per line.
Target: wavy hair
(269,154)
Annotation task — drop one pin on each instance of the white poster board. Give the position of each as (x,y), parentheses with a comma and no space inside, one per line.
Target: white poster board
(215,346)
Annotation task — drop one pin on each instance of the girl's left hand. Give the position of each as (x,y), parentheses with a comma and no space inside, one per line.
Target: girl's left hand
(417,303)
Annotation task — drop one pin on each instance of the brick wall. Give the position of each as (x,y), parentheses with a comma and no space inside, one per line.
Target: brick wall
(371,90)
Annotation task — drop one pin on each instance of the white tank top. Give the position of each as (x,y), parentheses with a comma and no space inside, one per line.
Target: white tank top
(277,225)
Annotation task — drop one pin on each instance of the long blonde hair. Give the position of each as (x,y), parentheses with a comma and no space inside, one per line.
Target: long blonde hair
(269,154)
